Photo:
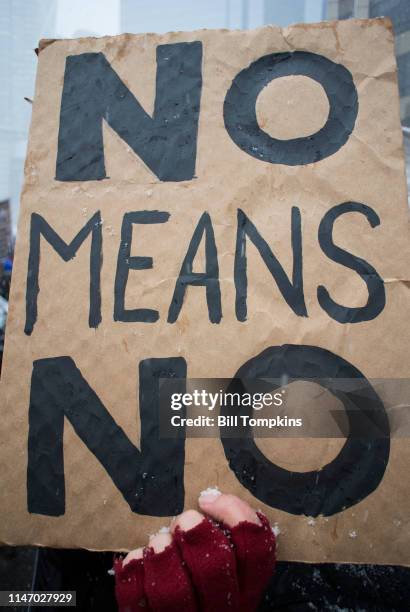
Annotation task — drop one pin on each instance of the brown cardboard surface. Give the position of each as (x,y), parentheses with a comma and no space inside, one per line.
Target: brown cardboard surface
(368,168)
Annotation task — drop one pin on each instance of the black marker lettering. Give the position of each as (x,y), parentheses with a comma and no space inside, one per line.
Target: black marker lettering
(125,263)
(93,91)
(375,286)
(208,279)
(150,479)
(291,291)
(39,226)
(356,471)
(240,108)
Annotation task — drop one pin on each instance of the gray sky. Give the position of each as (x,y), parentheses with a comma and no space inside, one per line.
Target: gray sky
(103,16)
(98,16)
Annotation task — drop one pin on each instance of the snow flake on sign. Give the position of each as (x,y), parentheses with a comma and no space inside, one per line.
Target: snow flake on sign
(210,492)
(353,533)
(275,529)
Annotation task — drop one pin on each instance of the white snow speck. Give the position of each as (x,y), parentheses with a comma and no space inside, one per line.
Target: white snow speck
(275,530)
(111,572)
(353,534)
(311,521)
(210,492)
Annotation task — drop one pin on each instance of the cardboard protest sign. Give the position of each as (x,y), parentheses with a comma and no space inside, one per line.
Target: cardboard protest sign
(198,205)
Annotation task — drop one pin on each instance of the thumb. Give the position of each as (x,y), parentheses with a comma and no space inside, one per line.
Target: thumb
(227,509)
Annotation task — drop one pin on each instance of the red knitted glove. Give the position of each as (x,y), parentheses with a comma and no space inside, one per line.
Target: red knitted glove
(209,568)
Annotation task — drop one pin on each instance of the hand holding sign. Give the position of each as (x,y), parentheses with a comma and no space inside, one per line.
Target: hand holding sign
(221,562)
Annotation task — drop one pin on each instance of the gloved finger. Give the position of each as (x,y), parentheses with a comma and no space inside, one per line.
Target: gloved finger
(210,561)
(255,549)
(253,540)
(166,581)
(129,583)
(159,541)
(138,553)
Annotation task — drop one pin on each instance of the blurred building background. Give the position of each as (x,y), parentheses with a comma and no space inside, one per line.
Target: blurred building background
(5,229)
(162,15)
(399,13)
(24,22)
